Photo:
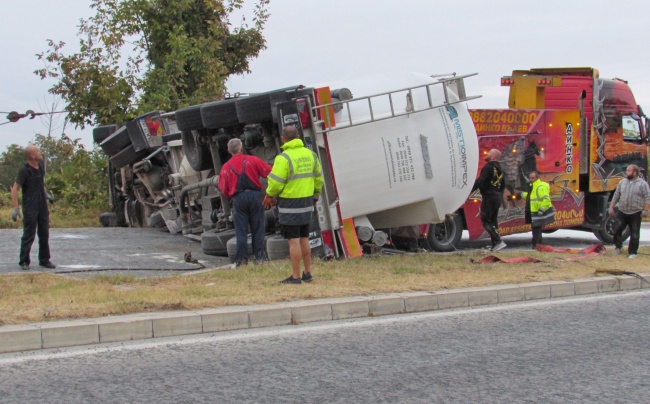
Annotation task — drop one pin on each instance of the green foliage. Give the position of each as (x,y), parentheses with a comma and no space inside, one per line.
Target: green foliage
(137,56)
(76,177)
(10,162)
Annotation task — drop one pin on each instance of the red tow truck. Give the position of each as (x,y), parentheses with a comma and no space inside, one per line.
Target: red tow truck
(578,130)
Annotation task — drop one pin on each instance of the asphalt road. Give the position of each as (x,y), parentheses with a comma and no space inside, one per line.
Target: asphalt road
(590,349)
(90,251)
(154,252)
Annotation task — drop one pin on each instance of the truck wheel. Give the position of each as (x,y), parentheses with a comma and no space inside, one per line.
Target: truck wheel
(231,247)
(133,213)
(277,248)
(108,219)
(198,154)
(100,133)
(445,236)
(606,233)
(215,243)
(189,119)
(119,210)
(257,108)
(220,114)
(116,142)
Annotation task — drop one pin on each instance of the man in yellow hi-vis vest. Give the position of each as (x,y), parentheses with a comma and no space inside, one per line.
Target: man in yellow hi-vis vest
(538,204)
(296,180)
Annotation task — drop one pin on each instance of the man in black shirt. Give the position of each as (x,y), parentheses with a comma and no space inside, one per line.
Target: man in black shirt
(491,184)
(31,178)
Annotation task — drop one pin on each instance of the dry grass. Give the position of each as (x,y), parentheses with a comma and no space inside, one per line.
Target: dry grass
(41,297)
(59,218)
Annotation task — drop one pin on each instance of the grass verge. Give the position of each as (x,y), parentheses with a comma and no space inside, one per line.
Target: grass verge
(60,217)
(34,297)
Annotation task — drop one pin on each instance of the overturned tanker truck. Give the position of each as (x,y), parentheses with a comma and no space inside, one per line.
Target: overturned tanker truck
(396,151)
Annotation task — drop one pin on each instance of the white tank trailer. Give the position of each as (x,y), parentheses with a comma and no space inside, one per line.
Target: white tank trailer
(403,151)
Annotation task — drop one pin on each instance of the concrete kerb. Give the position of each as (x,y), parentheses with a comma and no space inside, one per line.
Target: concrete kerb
(15,338)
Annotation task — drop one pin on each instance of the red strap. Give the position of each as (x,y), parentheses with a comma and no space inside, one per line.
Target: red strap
(591,251)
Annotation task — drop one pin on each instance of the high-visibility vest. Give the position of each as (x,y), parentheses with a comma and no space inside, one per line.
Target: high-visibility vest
(540,197)
(296,180)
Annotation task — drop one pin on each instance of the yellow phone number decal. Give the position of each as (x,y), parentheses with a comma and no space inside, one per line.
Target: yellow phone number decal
(506,117)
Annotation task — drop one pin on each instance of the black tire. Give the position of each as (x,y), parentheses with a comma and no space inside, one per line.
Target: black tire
(116,142)
(215,243)
(220,114)
(277,248)
(198,155)
(231,248)
(189,119)
(108,219)
(119,210)
(100,133)
(445,236)
(133,213)
(258,108)
(126,157)
(606,233)
(549,231)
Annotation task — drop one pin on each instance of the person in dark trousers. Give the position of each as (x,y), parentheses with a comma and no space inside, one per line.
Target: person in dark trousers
(491,183)
(633,197)
(296,180)
(538,201)
(31,179)
(239,181)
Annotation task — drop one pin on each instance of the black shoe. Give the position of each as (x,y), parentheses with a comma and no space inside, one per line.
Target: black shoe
(24,267)
(306,277)
(292,280)
(241,263)
(48,265)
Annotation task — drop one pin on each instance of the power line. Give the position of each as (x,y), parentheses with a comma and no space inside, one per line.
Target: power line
(14,116)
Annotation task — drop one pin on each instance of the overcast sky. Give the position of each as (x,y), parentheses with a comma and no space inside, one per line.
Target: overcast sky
(313,41)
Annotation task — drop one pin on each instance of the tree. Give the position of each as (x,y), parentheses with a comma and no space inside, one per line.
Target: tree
(180,51)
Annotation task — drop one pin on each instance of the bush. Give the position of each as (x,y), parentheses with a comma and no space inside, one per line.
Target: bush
(76,177)
(5,199)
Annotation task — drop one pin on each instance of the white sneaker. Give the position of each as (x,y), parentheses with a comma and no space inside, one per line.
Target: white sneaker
(499,246)
(617,251)
(632,256)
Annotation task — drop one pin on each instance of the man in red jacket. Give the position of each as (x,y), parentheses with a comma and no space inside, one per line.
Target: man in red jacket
(239,181)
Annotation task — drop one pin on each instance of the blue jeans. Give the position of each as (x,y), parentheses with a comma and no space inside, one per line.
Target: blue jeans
(622,221)
(247,210)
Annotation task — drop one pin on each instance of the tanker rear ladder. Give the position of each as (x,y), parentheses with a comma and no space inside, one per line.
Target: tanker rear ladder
(456,83)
